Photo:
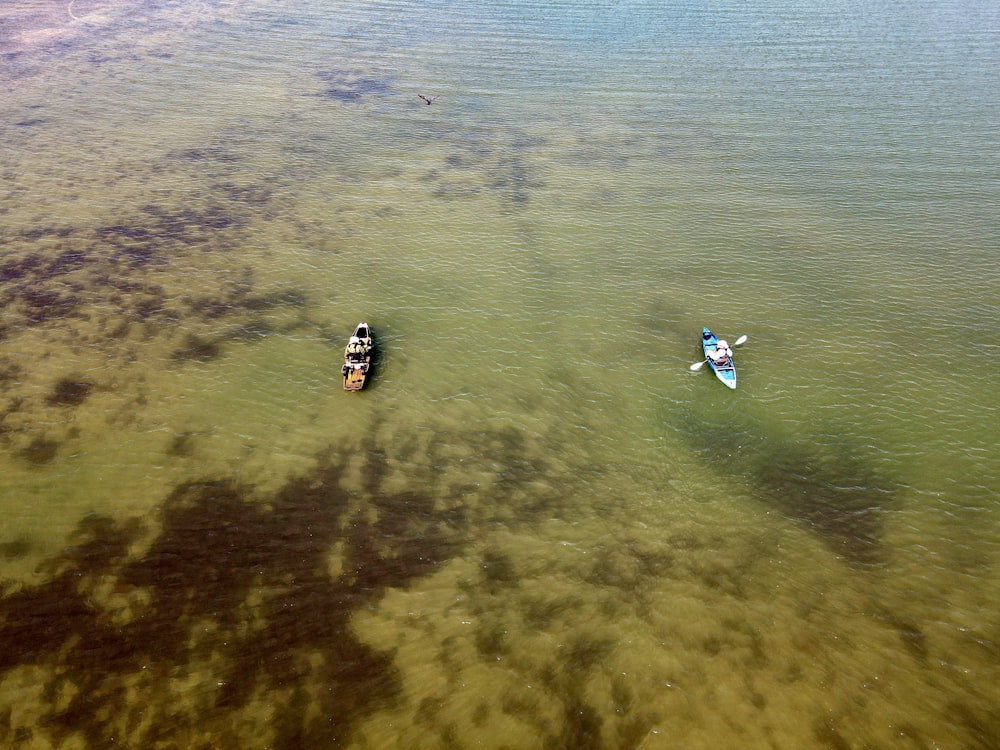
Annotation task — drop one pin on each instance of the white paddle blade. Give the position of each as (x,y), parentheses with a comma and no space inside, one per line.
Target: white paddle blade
(696,366)
(741,340)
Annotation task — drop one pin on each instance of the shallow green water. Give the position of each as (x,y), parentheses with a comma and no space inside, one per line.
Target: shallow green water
(536,527)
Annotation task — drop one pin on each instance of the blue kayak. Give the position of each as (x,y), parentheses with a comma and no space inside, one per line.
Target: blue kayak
(724,371)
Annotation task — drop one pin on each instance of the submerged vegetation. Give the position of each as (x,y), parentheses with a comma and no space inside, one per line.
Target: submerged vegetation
(306,615)
(831,488)
(112,293)
(234,588)
(251,595)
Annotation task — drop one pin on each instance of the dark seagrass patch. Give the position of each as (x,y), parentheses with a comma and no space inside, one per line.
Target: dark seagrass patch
(70,391)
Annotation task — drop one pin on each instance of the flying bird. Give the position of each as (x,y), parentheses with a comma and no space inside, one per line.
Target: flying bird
(429,101)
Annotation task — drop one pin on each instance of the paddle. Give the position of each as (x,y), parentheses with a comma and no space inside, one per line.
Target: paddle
(698,365)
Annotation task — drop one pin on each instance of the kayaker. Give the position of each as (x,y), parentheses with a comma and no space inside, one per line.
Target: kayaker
(721,354)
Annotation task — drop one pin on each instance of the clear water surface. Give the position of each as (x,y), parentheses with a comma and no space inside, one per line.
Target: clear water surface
(536,528)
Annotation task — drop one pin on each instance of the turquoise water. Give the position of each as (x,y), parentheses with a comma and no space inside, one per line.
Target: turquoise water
(536,527)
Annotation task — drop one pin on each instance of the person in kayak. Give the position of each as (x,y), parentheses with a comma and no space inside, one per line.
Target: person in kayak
(721,354)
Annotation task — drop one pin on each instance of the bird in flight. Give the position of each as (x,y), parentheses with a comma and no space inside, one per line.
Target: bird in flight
(429,101)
